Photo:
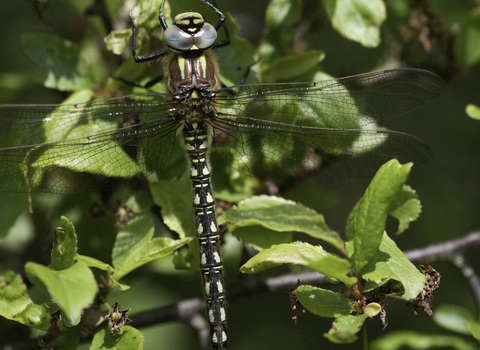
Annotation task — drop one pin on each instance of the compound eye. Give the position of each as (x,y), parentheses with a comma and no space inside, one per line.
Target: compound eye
(178,38)
(205,37)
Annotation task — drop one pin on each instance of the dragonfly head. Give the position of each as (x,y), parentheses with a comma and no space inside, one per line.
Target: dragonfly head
(190,32)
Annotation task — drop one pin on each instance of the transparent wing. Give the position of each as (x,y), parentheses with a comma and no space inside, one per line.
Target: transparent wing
(56,148)
(269,129)
(288,130)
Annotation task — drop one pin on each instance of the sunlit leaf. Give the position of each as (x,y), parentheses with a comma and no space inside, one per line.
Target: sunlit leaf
(65,249)
(313,257)
(128,339)
(357,20)
(473,111)
(175,201)
(366,222)
(73,288)
(419,340)
(345,328)
(389,262)
(454,318)
(322,302)
(281,215)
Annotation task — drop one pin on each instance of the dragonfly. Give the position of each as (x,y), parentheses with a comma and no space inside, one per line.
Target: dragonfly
(281,131)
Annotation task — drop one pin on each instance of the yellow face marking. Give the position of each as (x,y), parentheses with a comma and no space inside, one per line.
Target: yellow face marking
(203,63)
(185,18)
(181,66)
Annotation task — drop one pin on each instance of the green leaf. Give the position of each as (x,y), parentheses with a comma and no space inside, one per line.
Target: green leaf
(366,222)
(465,46)
(233,188)
(406,208)
(474,328)
(54,127)
(323,302)
(175,199)
(106,162)
(281,16)
(473,111)
(314,257)
(20,308)
(67,68)
(12,282)
(140,201)
(10,215)
(187,259)
(121,286)
(281,215)
(154,249)
(92,262)
(73,288)
(345,328)
(372,309)
(416,340)
(454,318)
(135,234)
(357,20)
(145,14)
(118,164)
(389,262)
(63,253)
(288,67)
(260,237)
(67,341)
(128,339)
(235,58)
(117,40)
